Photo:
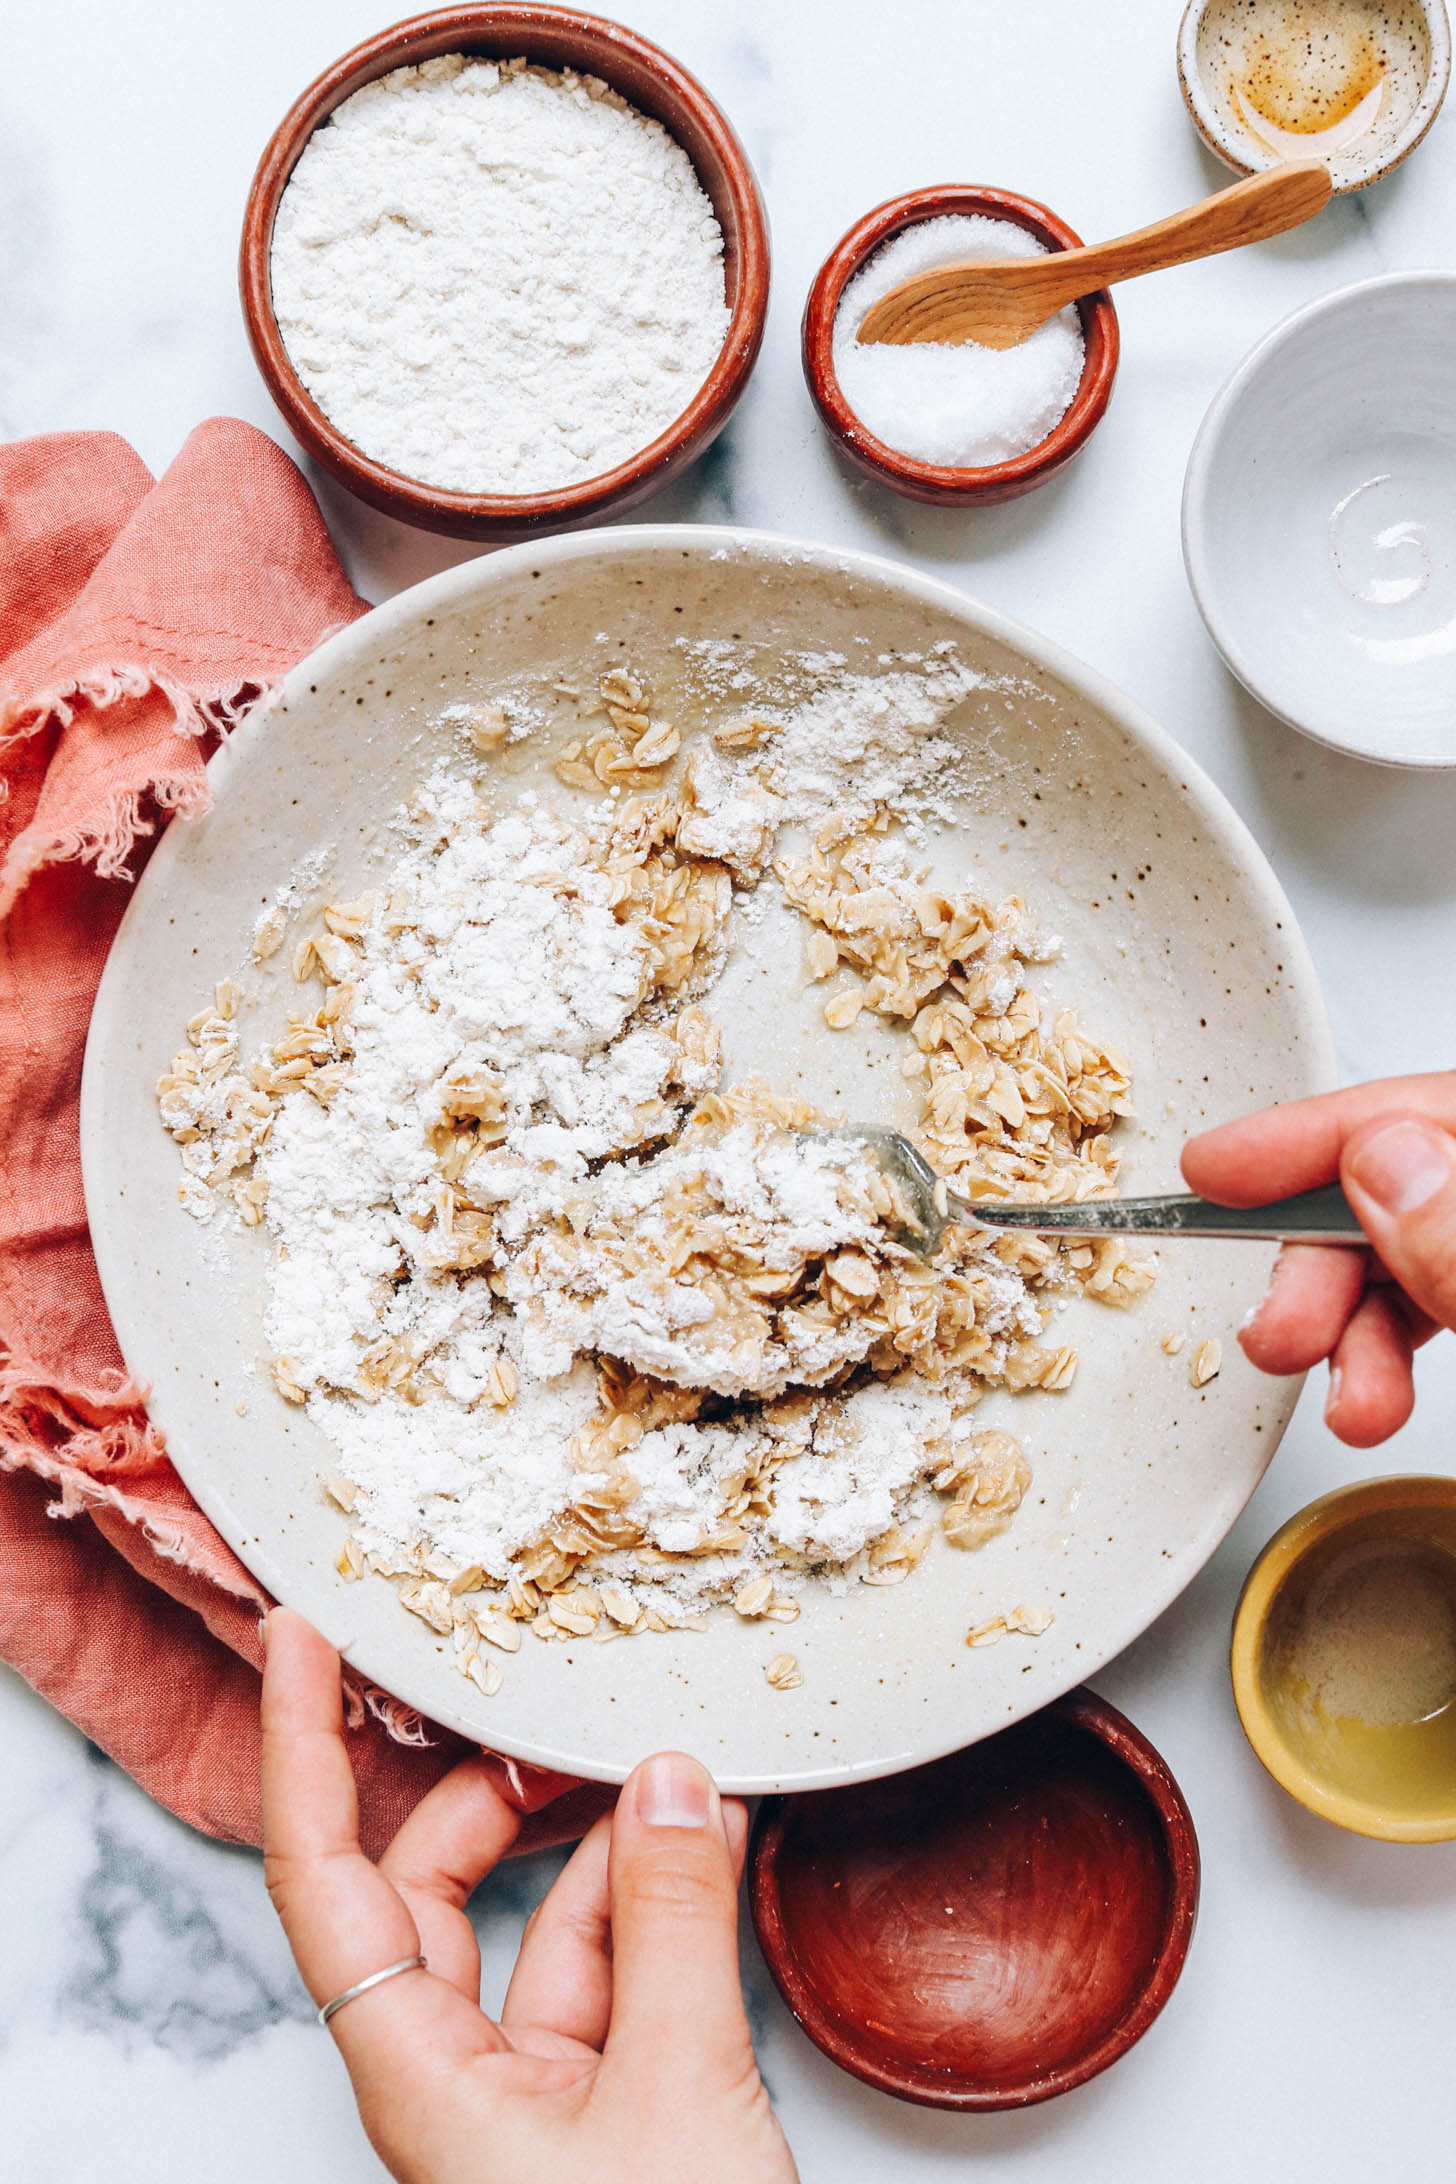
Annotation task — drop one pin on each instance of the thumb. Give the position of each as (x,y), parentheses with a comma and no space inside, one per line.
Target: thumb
(1400,1176)
(677,2009)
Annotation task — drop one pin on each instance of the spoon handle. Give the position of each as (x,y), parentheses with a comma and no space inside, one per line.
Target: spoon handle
(1313,1217)
(1262,205)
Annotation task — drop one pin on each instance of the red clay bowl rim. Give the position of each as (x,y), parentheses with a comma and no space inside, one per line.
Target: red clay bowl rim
(459,29)
(1000,480)
(1080,1710)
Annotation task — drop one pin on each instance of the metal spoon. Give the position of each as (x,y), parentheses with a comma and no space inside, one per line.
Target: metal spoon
(998,302)
(928,1208)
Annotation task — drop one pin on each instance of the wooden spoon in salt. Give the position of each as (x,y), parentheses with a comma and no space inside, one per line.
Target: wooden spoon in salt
(999,301)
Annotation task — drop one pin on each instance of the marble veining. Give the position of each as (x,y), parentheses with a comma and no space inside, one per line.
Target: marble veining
(152,2030)
(175,1950)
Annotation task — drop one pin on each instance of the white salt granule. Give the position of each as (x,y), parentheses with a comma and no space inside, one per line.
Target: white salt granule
(497,279)
(956,404)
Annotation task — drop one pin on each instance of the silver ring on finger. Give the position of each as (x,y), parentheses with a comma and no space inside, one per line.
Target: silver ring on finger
(375,1979)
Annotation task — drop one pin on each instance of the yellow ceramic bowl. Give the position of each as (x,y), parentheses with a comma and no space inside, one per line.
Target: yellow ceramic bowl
(1344,1658)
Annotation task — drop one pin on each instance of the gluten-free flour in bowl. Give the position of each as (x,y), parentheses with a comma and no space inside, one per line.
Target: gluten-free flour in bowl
(496,278)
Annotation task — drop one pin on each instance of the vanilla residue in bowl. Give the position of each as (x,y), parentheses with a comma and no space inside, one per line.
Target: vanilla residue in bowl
(1376,1639)
(1362,1673)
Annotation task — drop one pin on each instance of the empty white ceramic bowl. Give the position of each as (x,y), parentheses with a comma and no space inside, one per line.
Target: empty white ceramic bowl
(1319,520)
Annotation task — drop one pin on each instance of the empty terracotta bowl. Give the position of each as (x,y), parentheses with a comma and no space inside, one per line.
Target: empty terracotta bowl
(990,1930)
(648,79)
(1344,1658)
(937,482)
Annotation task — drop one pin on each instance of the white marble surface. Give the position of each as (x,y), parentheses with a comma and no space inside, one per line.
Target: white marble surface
(151,2028)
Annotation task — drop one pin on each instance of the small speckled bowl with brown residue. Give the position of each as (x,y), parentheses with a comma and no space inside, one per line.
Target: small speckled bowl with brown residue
(1356,83)
(992,1930)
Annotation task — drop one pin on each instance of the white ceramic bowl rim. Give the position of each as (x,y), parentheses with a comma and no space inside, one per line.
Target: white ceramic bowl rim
(1201,464)
(1422,114)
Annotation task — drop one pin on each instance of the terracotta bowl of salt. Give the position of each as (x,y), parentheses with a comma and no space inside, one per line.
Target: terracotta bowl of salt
(990,1930)
(946,484)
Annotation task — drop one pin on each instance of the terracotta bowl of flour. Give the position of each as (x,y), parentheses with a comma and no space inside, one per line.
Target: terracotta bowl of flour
(942,484)
(656,86)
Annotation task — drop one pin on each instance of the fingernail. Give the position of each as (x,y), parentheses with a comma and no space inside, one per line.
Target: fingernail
(263,1633)
(1276,1273)
(1337,1377)
(674,1792)
(1403,1165)
(1255,1311)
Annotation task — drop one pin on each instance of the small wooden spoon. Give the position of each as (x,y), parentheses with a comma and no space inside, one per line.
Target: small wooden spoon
(999,301)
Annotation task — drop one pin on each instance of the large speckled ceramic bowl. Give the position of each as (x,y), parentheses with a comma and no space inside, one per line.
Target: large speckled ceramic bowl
(1178,946)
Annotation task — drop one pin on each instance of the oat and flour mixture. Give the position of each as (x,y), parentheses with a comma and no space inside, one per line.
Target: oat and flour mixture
(598,1339)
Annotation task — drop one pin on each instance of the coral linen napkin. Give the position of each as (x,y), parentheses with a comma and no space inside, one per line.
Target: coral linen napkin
(138,618)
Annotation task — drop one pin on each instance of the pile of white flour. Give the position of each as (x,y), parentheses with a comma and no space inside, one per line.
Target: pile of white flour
(497,279)
(513,965)
(500,972)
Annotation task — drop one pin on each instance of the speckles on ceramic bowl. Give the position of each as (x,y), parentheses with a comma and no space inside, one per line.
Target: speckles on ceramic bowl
(1356,83)
(1319,520)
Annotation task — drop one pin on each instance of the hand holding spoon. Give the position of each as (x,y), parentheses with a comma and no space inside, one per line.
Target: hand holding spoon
(998,302)
(927,1209)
